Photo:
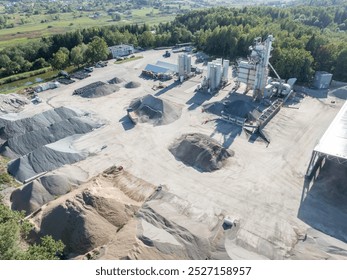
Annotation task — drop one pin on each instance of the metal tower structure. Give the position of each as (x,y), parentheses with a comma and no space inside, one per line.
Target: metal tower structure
(260,56)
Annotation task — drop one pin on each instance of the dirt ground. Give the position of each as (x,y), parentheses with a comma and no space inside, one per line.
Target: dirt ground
(260,187)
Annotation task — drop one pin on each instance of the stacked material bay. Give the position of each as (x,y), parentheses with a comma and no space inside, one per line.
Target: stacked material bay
(155,110)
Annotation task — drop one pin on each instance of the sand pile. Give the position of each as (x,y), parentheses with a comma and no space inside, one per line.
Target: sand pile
(95,90)
(94,214)
(200,151)
(155,110)
(132,84)
(116,80)
(12,103)
(238,108)
(46,188)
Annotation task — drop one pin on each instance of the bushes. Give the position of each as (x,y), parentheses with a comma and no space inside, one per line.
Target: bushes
(22,76)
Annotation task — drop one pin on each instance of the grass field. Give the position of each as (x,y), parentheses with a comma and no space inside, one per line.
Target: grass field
(37,26)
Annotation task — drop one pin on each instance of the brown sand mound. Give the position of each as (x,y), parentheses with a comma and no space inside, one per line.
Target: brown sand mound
(132,84)
(92,215)
(200,151)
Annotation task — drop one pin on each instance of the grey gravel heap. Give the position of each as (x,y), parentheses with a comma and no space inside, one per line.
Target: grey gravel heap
(200,151)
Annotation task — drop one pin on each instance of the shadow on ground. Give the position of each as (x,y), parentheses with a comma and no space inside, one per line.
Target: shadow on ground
(228,130)
(198,99)
(169,87)
(324,200)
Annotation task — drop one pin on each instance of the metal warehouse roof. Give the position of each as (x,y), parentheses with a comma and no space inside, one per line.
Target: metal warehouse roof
(157,69)
(334,141)
(172,67)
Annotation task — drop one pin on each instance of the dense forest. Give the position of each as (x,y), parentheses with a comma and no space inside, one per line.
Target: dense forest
(306,39)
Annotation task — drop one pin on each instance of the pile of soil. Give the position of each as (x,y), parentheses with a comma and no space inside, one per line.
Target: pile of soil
(155,110)
(200,151)
(132,84)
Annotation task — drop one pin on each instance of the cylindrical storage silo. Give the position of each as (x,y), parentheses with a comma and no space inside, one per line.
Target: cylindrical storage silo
(219,73)
(181,62)
(208,68)
(225,70)
(188,64)
(212,77)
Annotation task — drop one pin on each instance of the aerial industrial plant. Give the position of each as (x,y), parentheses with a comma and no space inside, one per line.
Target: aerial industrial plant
(170,156)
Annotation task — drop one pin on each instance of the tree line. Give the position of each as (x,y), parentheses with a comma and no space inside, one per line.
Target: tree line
(306,39)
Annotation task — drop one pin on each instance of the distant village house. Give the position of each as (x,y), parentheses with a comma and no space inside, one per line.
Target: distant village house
(121,50)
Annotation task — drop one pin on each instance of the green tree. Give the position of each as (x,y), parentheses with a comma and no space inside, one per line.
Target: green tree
(97,50)
(13,233)
(78,55)
(60,59)
(341,66)
(146,39)
(293,63)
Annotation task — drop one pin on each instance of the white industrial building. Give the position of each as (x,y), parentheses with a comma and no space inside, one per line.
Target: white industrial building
(121,50)
(333,144)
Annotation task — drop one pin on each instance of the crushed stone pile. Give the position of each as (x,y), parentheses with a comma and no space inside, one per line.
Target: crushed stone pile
(116,80)
(200,151)
(12,125)
(43,142)
(12,103)
(46,188)
(23,144)
(132,84)
(155,110)
(46,158)
(238,108)
(97,89)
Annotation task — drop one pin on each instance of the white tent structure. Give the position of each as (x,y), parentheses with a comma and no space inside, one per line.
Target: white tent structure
(333,144)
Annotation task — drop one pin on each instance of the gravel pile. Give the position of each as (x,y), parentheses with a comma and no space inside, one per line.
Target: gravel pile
(116,80)
(200,151)
(13,125)
(238,108)
(155,110)
(46,188)
(132,84)
(43,142)
(23,144)
(46,158)
(97,89)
